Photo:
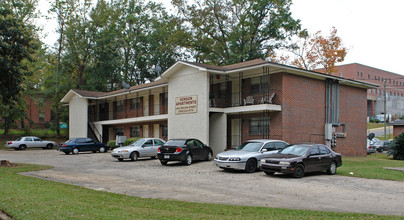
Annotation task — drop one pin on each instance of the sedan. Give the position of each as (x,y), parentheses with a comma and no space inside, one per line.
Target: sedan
(248,155)
(302,158)
(143,147)
(29,142)
(185,150)
(76,145)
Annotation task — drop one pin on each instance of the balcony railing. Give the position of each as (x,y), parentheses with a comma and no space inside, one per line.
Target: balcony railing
(237,99)
(126,112)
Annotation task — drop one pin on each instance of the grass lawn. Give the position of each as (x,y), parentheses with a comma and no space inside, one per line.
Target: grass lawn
(371,167)
(32,198)
(375,125)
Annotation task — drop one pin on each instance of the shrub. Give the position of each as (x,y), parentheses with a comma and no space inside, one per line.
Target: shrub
(130,140)
(397,148)
(377,121)
(111,144)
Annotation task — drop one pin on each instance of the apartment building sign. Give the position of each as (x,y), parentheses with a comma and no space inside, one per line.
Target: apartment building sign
(186,105)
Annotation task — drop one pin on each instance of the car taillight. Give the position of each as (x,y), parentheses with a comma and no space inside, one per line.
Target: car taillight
(10,142)
(64,145)
(178,150)
(158,150)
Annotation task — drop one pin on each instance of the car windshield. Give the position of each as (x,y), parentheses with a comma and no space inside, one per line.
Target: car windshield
(298,150)
(70,140)
(18,139)
(250,146)
(138,142)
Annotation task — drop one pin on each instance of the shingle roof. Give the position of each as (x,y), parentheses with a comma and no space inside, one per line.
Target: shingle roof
(229,67)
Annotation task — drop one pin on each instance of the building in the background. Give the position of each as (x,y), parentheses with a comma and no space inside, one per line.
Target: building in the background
(38,113)
(392,82)
(225,106)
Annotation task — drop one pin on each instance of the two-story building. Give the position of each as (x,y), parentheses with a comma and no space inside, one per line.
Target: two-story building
(224,106)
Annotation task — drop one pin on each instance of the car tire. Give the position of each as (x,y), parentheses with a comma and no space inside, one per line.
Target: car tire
(209,156)
(133,156)
(102,150)
(49,146)
(333,168)
(163,162)
(188,160)
(251,166)
(299,171)
(67,153)
(269,173)
(22,147)
(120,159)
(75,151)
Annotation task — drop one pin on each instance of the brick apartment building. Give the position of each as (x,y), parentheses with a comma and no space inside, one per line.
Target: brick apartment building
(225,106)
(375,102)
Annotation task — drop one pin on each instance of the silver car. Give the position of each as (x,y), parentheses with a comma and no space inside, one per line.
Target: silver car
(29,142)
(248,155)
(143,147)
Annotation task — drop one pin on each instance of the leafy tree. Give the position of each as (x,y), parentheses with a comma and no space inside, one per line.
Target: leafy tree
(15,47)
(315,51)
(397,148)
(232,31)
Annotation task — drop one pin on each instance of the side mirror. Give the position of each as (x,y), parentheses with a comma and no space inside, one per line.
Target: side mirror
(264,150)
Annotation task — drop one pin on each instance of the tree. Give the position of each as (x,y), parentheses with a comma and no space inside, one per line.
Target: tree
(315,51)
(397,148)
(225,32)
(15,47)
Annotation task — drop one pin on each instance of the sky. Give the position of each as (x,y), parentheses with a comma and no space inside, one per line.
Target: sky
(370,29)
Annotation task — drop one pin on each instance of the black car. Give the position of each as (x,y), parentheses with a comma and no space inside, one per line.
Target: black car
(302,158)
(76,145)
(185,150)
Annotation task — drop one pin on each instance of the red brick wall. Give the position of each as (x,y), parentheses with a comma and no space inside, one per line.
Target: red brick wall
(397,130)
(150,124)
(32,111)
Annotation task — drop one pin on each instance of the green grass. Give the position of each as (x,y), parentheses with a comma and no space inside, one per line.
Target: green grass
(388,137)
(32,198)
(375,125)
(372,167)
(40,132)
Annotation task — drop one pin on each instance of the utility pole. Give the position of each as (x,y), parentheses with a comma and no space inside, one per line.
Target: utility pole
(385,97)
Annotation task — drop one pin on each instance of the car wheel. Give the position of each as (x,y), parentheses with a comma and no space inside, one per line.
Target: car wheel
(102,150)
(299,171)
(75,151)
(251,166)
(209,156)
(133,156)
(120,159)
(67,153)
(269,173)
(188,160)
(333,168)
(49,146)
(22,147)
(163,162)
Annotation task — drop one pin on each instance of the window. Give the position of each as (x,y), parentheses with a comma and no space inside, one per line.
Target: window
(41,117)
(119,131)
(158,142)
(135,131)
(323,150)
(134,104)
(280,145)
(148,143)
(269,146)
(368,76)
(37,139)
(28,139)
(164,98)
(259,84)
(164,132)
(222,90)
(314,150)
(119,106)
(259,126)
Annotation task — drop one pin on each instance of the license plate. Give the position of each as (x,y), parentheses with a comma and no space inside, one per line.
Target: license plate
(166,156)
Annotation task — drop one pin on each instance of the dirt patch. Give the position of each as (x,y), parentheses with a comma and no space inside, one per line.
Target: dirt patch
(4,216)
(6,163)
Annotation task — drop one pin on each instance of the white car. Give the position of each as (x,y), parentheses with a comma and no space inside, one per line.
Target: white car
(29,142)
(143,147)
(248,155)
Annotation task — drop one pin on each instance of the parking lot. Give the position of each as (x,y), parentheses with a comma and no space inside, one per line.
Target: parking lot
(204,182)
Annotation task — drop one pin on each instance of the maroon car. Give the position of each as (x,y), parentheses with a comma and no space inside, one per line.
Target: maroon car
(299,159)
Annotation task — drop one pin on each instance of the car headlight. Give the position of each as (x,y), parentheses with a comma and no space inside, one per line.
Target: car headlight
(284,163)
(234,159)
(123,151)
(263,161)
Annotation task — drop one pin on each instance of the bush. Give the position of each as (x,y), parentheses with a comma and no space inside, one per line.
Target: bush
(130,140)
(397,148)
(377,121)
(111,144)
